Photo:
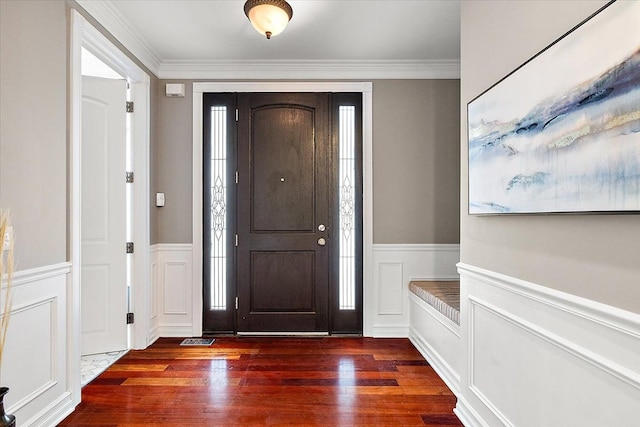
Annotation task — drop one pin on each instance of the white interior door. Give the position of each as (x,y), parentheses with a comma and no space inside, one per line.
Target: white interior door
(103,216)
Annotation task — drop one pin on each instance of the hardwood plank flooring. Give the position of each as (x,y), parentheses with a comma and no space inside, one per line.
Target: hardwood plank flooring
(241,381)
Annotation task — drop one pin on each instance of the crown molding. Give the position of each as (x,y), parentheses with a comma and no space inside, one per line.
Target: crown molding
(112,20)
(310,69)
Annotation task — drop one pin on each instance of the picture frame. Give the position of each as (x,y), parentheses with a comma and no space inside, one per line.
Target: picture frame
(561,133)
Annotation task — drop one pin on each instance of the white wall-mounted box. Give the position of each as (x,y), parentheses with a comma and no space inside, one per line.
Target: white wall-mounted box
(174,90)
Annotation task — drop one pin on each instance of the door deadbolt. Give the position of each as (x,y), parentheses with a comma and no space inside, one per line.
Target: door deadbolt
(322,242)
(322,227)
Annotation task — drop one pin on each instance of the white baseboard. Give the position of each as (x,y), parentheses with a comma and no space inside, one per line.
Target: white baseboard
(444,370)
(394,266)
(467,415)
(53,413)
(385,331)
(575,358)
(176,331)
(154,334)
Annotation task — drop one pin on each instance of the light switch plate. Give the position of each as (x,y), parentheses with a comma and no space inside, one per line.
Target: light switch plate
(159,199)
(8,235)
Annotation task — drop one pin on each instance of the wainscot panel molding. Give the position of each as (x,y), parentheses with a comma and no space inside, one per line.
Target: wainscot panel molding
(575,358)
(154,319)
(173,290)
(38,364)
(394,266)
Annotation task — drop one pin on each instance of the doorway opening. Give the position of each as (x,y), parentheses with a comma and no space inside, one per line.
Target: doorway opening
(106,215)
(98,247)
(282,213)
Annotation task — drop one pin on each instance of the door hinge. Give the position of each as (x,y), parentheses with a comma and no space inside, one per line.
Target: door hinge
(236,177)
(236,303)
(236,240)
(129,106)
(236,114)
(129,247)
(129,177)
(129,318)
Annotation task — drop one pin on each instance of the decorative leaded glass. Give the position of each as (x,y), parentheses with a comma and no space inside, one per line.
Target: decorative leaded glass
(218,208)
(347,173)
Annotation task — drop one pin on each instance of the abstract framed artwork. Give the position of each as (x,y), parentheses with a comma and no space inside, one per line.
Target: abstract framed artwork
(562,132)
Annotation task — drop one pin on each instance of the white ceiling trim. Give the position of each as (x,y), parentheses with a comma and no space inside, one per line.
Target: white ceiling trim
(310,69)
(110,18)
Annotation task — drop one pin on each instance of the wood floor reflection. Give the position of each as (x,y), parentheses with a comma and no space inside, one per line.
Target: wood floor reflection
(269,381)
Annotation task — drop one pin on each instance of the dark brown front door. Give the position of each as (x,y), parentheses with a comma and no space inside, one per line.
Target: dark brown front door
(282,219)
(284,212)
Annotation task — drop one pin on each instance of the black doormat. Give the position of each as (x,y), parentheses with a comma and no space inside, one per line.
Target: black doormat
(198,341)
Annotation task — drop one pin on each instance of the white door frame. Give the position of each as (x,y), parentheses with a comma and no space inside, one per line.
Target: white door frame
(366,88)
(85,35)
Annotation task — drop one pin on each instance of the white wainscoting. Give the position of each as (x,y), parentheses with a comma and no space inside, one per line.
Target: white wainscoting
(539,357)
(173,290)
(36,355)
(394,266)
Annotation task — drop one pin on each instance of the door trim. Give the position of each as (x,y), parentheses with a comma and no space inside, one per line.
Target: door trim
(366,88)
(84,34)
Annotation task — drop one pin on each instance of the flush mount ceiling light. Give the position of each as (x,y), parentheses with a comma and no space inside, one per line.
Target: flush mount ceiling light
(268,17)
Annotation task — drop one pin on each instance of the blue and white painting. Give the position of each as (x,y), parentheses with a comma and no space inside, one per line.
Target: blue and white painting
(562,133)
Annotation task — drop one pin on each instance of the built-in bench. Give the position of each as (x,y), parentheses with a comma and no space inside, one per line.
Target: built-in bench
(434,327)
(443,296)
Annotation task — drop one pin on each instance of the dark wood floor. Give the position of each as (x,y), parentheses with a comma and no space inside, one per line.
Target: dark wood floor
(269,381)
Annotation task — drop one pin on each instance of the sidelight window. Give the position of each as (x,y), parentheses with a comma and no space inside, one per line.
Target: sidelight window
(347,180)
(218,208)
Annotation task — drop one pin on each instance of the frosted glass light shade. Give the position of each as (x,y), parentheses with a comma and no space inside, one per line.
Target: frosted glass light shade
(268,17)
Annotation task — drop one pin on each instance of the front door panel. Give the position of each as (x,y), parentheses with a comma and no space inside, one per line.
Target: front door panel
(283,156)
(284,172)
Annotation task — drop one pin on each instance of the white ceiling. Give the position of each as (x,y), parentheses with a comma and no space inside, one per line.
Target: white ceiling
(199,38)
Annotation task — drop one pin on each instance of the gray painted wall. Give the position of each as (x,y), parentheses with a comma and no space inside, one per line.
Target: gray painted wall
(415,155)
(416,173)
(33,128)
(592,256)
(174,172)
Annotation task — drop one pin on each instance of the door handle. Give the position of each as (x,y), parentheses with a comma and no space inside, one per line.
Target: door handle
(322,241)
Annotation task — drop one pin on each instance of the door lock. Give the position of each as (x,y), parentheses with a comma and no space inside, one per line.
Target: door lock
(321,241)
(322,227)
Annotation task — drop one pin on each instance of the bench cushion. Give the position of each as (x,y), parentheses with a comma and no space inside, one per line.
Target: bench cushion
(441,295)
